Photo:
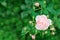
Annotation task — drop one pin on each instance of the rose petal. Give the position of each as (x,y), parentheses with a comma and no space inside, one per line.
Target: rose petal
(50,22)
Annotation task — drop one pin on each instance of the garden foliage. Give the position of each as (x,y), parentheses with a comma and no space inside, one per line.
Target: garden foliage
(17,19)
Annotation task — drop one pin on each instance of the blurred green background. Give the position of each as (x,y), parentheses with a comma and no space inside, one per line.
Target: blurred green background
(17,19)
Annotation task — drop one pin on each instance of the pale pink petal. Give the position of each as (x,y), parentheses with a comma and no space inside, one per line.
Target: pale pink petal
(50,22)
(43,16)
(37,27)
(38,17)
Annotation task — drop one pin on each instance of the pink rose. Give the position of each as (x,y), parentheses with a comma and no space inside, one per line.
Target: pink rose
(42,22)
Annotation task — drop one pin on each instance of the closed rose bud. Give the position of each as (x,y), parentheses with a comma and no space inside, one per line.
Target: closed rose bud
(46,32)
(42,22)
(30,22)
(52,28)
(33,36)
(53,33)
(36,4)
